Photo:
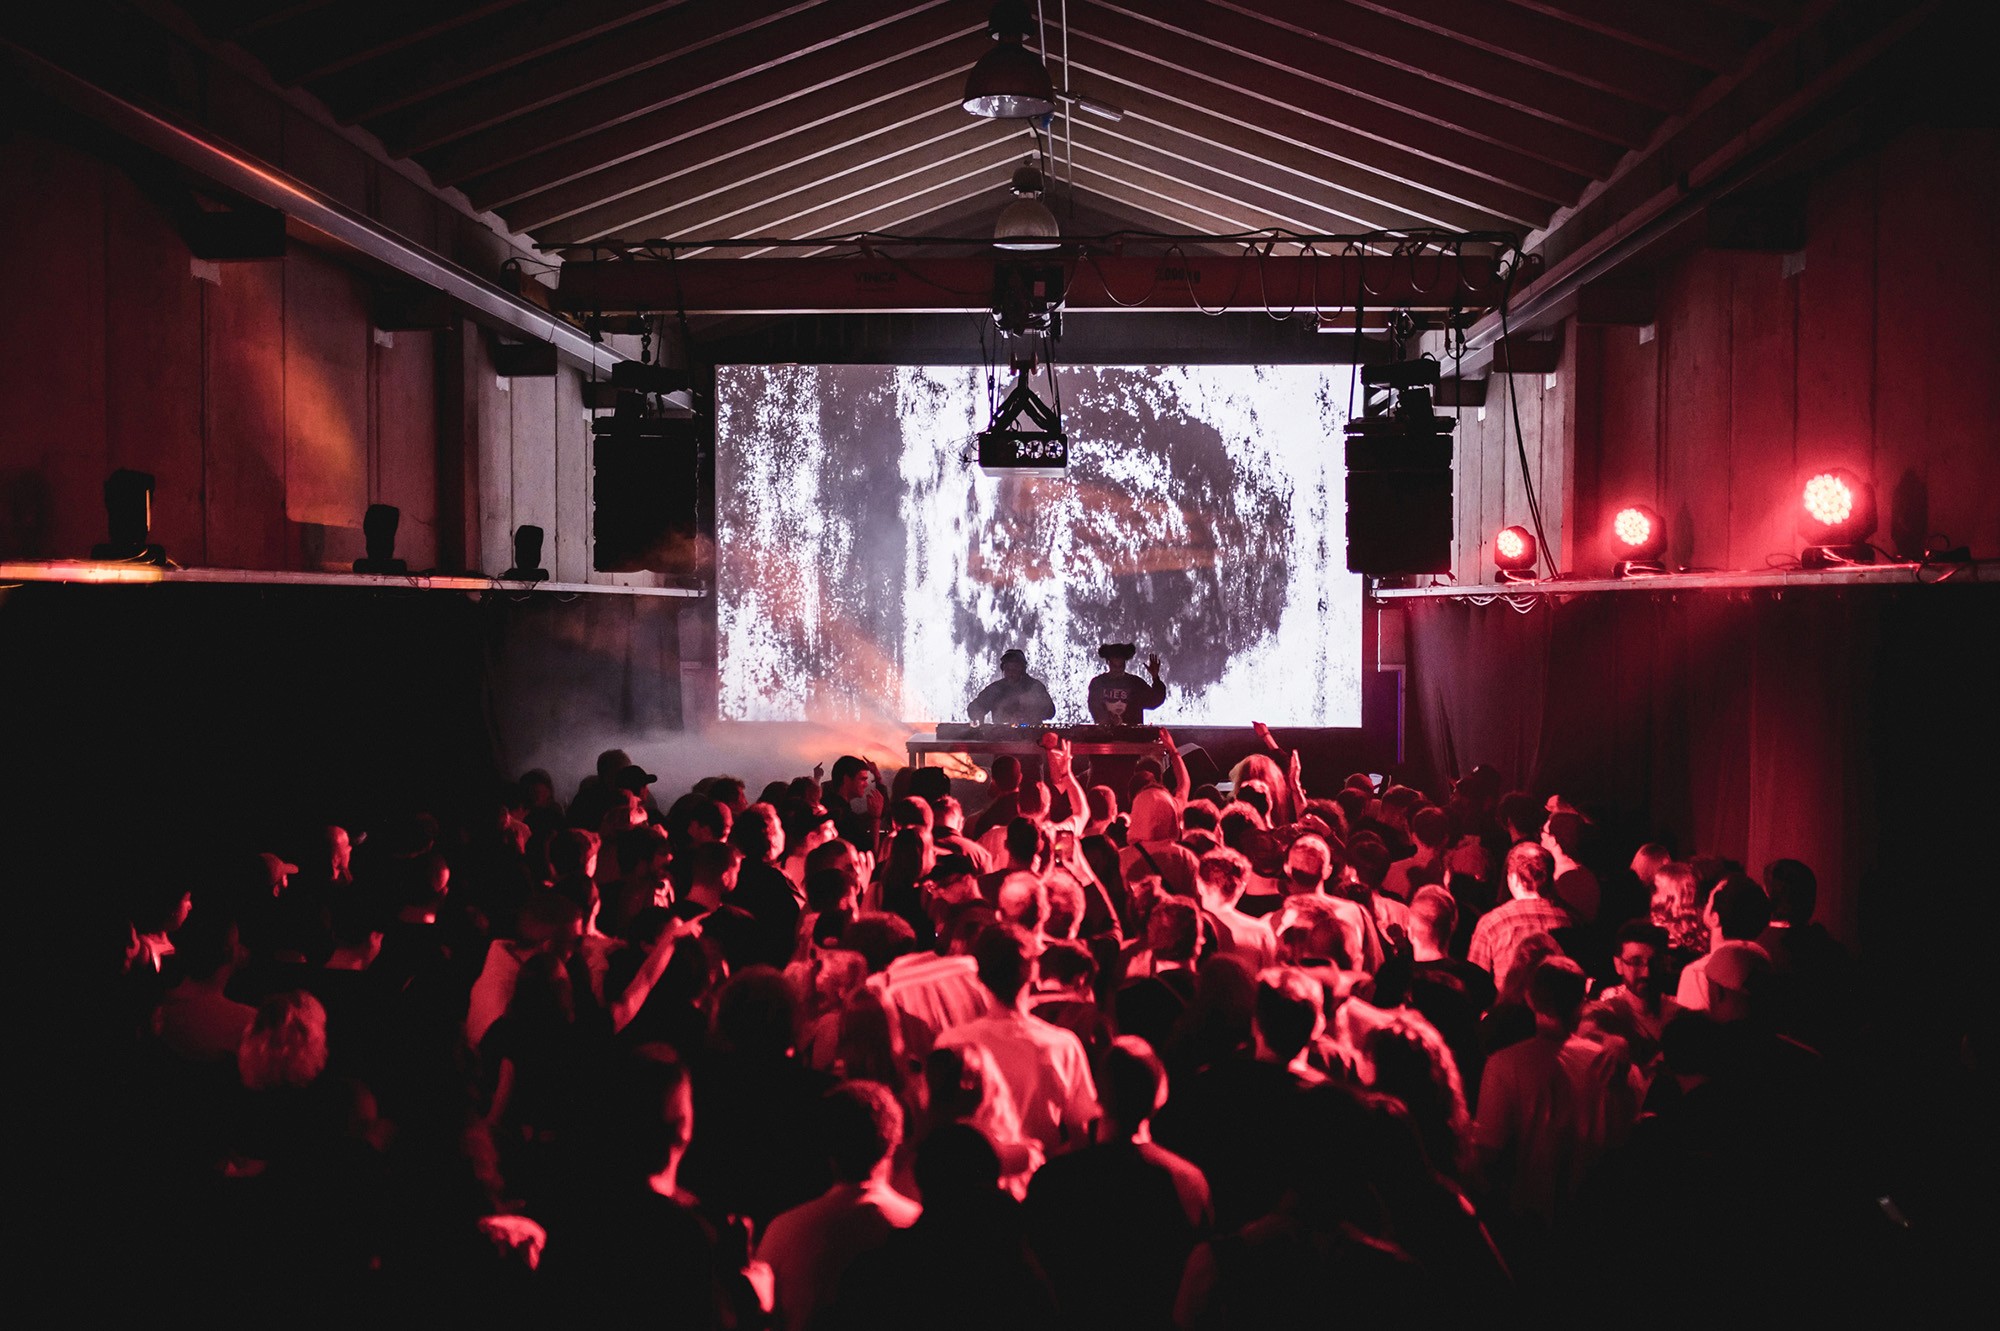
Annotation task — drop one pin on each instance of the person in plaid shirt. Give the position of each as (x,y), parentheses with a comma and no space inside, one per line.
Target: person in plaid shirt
(1530,880)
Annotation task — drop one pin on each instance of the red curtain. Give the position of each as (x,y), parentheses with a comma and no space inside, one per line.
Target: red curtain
(1847,727)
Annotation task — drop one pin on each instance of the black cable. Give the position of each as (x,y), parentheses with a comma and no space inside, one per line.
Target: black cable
(1514,409)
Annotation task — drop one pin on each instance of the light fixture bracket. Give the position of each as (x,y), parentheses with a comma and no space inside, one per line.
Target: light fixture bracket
(1008,449)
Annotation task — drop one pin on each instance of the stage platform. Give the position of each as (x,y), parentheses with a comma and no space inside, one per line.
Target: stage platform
(1084,742)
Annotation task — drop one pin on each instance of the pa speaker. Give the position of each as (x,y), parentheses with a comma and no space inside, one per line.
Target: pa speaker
(1399,516)
(643,490)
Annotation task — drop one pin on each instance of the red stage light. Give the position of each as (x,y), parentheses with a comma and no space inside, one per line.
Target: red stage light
(1829,499)
(1836,518)
(1638,539)
(1514,553)
(1639,532)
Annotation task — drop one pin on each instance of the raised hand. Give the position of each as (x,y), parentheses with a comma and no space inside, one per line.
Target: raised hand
(1153,664)
(515,1237)
(1058,758)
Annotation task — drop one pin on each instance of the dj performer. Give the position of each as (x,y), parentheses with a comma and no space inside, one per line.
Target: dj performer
(1016,698)
(1120,698)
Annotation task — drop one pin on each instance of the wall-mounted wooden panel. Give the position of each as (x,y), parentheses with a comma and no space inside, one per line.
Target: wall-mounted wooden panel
(152,363)
(1469,556)
(1694,382)
(1837,329)
(244,403)
(1762,405)
(535,499)
(53,457)
(1872,350)
(1628,459)
(405,448)
(569,540)
(493,402)
(1555,477)
(256,394)
(326,404)
(1936,440)
(1492,489)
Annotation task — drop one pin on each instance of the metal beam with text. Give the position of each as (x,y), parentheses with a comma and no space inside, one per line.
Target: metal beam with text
(788,285)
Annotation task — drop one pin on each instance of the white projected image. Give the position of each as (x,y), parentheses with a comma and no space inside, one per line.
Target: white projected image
(867,569)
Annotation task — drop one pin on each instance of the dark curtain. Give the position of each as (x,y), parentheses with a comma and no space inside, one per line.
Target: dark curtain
(582,674)
(1848,727)
(183,717)
(165,710)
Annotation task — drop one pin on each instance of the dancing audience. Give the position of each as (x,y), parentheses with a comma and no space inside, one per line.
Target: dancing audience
(1235,1061)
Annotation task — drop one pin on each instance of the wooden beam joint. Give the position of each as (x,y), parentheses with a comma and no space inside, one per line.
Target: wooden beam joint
(1623,304)
(1454,392)
(1527,355)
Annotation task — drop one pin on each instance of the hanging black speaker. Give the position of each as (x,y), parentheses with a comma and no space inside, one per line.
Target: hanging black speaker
(644,484)
(1399,514)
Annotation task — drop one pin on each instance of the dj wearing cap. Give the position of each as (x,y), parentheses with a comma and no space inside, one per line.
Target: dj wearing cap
(1120,698)
(1016,698)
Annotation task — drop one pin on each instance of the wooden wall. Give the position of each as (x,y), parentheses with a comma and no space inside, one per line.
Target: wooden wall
(258,394)
(1879,355)
(269,413)
(1489,490)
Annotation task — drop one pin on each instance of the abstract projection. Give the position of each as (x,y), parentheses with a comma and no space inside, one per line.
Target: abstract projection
(869,570)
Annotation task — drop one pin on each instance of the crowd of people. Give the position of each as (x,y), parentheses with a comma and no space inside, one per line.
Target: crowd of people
(851,1054)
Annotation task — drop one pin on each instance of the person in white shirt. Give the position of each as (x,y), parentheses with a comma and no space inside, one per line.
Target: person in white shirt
(1044,1066)
(1737,912)
(810,1247)
(1222,876)
(931,992)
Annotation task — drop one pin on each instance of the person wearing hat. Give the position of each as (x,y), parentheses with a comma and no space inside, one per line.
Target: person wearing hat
(1016,698)
(1119,697)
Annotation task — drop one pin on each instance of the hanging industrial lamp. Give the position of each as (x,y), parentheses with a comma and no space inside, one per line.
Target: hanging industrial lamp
(1010,82)
(1027,223)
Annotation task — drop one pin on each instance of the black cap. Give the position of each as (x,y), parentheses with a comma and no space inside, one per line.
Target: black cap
(635,779)
(1117,651)
(1013,654)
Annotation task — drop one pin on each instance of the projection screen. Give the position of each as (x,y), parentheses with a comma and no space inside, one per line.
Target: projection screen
(868,570)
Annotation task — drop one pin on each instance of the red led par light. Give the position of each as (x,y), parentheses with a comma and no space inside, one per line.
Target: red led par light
(1638,539)
(1836,518)
(1514,554)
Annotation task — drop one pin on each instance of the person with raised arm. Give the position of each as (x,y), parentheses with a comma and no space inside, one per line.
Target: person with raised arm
(1120,698)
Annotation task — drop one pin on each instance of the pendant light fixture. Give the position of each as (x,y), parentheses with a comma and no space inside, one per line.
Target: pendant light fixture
(1010,82)
(1027,223)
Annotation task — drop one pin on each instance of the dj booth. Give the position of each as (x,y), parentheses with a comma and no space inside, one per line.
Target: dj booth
(1084,741)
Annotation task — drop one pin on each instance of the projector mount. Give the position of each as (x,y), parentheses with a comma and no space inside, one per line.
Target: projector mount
(1025,436)
(1042,449)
